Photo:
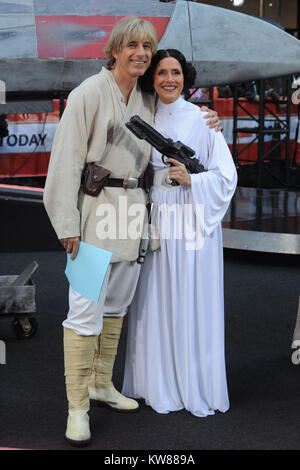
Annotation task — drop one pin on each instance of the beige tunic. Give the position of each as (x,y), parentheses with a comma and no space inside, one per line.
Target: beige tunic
(92,129)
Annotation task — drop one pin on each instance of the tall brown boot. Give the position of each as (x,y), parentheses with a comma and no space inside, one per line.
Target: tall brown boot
(78,358)
(101,387)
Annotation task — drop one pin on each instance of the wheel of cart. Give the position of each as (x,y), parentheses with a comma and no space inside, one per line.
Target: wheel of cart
(24,328)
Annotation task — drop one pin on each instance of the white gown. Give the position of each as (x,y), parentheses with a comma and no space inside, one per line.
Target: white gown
(175,348)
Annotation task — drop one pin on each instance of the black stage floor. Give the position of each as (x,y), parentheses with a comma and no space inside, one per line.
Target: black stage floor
(262,287)
(261,301)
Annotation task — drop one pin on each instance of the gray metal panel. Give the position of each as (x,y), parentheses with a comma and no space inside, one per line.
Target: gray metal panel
(74,72)
(26,107)
(49,75)
(227,46)
(17,30)
(177,34)
(21,194)
(261,241)
(234,47)
(102,7)
(22,6)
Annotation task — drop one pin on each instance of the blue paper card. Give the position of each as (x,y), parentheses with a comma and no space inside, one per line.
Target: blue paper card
(87,271)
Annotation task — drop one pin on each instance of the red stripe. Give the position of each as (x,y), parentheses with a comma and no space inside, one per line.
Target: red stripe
(64,36)
(11,186)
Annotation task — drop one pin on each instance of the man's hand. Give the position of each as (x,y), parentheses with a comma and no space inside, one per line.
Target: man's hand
(179,173)
(212,117)
(71,245)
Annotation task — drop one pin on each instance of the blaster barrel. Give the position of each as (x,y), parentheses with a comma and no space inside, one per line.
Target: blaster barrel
(144,131)
(164,145)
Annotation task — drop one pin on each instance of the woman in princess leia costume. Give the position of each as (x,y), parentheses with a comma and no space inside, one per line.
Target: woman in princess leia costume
(175,348)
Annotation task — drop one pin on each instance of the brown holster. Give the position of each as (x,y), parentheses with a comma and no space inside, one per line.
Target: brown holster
(94,177)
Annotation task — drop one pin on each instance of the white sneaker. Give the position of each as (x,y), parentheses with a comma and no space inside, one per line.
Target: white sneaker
(113,399)
(78,427)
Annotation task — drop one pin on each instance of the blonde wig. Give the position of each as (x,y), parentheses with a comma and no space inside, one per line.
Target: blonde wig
(128,29)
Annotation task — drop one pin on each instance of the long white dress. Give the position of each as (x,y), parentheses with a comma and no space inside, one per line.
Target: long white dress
(175,348)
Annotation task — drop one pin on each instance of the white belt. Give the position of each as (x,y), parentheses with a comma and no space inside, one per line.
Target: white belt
(162,180)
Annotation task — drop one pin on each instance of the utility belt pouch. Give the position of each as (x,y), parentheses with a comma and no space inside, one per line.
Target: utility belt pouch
(94,177)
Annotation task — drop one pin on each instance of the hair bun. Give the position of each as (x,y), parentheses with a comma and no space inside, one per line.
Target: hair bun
(190,75)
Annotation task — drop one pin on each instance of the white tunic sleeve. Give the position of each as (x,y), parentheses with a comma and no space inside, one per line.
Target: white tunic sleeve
(67,160)
(214,188)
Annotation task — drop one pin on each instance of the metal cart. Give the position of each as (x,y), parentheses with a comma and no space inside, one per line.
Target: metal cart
(17,300)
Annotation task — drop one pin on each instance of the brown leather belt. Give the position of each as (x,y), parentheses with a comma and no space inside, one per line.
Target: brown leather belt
(127,183)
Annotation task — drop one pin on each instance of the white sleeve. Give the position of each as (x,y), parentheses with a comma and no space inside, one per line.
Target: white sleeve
(212,190)
(68,155)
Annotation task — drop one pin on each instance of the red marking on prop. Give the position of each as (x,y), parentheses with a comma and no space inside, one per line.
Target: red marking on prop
(69,36)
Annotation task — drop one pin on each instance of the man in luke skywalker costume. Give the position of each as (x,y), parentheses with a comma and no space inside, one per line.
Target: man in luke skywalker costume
(92,129)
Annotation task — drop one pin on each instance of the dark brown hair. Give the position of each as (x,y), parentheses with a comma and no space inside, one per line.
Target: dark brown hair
(188,70)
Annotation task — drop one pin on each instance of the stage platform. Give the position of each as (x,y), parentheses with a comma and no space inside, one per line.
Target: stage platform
(265,220)
(262,220)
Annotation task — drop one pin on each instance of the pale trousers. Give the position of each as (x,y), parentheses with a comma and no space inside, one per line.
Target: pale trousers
(85,317)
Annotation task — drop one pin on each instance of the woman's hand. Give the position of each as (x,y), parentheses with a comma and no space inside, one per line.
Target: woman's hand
(179,172)
(212,117)
(71,245)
